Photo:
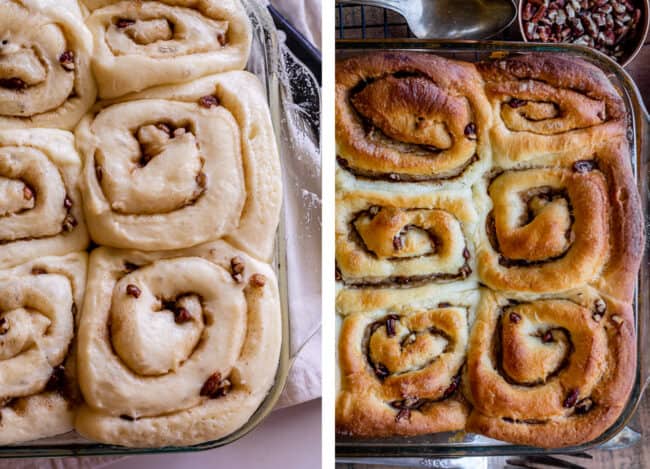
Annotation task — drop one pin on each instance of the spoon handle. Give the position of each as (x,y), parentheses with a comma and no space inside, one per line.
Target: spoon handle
(395,5)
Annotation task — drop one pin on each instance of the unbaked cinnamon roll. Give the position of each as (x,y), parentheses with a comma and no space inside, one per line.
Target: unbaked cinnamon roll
(187,342)
(147,43)
(38,309)
(573,221)
(40,204)
(544,104)
(549,372)
(45,78)
(404,240)
(400,354)
(403,117)
(176,166)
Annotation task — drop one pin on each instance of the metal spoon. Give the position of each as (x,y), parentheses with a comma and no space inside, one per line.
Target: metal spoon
(451,19)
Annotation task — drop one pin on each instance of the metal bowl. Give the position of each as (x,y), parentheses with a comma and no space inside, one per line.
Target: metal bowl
(632,47)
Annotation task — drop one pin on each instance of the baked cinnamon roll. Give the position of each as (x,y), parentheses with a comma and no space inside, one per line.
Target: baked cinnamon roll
(188,343)
(572,220)
(545,104)
(40,204)
(529,184)
(38,310)
(403,240)
(147,43)
(173,167)
(400,354)
(549,372)
(403,117)
(45,78)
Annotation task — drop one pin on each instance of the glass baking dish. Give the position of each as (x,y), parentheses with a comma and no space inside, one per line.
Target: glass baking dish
(443,445)
(266,63)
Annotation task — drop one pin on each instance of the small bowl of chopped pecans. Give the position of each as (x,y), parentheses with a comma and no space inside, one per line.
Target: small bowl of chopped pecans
(617,28)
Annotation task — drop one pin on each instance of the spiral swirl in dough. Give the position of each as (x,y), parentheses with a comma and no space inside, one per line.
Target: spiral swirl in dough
(570,221)
(400,355)
(38,304)
(549,372)
(176,347)
(148,43)
(392,239)
(545,104)
(45,78)
(432,129)
(176,166)
(40,204)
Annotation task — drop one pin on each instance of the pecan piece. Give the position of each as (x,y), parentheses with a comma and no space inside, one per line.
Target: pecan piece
(257,280)
(455,382)
(124,23)
(69,222)
(584,406)
(398,242)
(470,131)
(516,103)
(571,398)
(237,268)
(13,83)
(215,387)
(403,414)
(208,101)
(381,371)
(67,60)
(390,325)
(133,291)
(181,315)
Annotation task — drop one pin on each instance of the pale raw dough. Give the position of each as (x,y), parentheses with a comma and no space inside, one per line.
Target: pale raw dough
(141,372)
(37,89)
(219,177)
(164,42)
(38,301)
(39,177)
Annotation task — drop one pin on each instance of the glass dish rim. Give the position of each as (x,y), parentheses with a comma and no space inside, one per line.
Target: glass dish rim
(639,137)
(265,33)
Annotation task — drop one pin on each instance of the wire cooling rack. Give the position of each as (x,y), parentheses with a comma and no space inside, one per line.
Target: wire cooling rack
(365,22)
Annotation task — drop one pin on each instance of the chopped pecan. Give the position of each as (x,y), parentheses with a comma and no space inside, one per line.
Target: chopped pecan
(133,291)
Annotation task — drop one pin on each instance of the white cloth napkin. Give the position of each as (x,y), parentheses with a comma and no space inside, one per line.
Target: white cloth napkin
(305,15)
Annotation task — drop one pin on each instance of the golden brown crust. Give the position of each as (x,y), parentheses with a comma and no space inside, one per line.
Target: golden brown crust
(581,356)
(562,223)
(385,240)
(546,104)
(432,127)
(400,363)
(548,216)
